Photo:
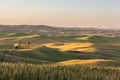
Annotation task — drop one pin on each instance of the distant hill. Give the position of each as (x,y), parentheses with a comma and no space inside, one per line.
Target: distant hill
(34,28)
(23,28)
(58,30)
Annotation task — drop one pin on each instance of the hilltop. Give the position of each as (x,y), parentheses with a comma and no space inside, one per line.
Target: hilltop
(44,29)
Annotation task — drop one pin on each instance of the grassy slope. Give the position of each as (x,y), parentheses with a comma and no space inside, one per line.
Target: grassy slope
(107,48)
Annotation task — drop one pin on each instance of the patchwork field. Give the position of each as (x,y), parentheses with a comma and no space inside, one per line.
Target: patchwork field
(53,49)
(70,57)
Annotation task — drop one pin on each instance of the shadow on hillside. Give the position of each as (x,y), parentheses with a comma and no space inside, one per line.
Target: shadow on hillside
(105,48)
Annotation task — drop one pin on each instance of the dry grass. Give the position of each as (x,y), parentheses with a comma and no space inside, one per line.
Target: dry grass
(15,39)
(10,34)
(81,47)
(31,36)
(27,46)
(83,38)
(74,62)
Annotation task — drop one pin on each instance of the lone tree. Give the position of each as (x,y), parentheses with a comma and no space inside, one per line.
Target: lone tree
(29,43)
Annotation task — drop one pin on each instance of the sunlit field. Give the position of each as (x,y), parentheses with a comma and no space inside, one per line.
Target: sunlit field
(54,57)
(84,62)
(59,39)
(60,48)
(80,47)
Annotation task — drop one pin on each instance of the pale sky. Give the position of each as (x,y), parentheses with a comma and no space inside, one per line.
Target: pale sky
(73,13)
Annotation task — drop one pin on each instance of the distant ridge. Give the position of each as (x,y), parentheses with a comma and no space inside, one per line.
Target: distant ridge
(23,28)
(43,28)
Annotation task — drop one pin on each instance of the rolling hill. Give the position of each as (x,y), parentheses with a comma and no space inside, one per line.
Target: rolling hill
(48,48)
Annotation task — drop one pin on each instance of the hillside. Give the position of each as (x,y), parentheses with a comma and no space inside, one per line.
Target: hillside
(55,55)
(48,48)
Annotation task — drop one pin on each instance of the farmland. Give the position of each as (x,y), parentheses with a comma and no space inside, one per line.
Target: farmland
(41,55)
(56,72)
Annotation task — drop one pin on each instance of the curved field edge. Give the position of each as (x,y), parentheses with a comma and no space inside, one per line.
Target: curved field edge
(91,61)
(94,47)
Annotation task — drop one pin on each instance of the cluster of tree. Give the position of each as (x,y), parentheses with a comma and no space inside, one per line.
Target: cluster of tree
(21,45)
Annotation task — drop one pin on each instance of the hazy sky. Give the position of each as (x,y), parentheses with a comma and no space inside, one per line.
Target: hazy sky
(82,13)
